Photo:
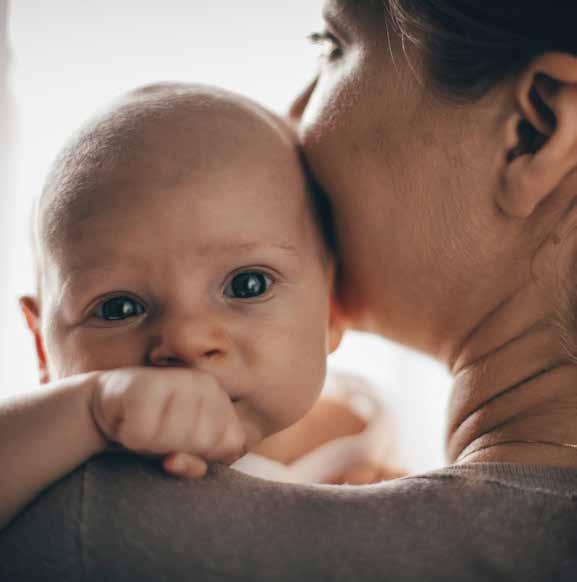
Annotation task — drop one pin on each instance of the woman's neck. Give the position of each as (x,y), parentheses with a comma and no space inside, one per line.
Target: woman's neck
(515,388)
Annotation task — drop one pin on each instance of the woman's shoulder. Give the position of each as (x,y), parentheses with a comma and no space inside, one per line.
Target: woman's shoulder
(119,516)
(529,479)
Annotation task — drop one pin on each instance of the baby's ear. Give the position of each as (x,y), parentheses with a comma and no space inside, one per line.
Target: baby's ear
(31,311)
(337,321)
(337,325)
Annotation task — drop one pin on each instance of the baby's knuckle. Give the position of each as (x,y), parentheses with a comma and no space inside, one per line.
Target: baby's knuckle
(134,434)
(201,376)
(234,441)
(161,444)
(209,385)
(130,438)
(202,442)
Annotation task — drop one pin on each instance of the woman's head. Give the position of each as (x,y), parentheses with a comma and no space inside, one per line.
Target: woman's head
(443,131)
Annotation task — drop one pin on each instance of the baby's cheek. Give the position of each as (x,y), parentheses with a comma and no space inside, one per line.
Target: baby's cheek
(311,352)
(66,360)
(286,358)
(57,351)
(302,378)
(88,350)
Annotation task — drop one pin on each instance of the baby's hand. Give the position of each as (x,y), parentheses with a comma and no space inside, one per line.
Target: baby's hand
(366,473)
(181,414)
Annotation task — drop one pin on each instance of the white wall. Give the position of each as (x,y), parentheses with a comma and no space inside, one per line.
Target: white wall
(7,159)
(70,57)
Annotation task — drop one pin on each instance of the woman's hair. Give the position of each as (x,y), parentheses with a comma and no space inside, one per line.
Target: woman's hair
(471,45)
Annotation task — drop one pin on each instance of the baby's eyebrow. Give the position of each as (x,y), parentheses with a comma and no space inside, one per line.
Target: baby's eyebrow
(117,259)
(224,247)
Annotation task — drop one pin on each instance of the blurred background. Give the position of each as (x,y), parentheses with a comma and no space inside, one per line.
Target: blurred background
(61,61)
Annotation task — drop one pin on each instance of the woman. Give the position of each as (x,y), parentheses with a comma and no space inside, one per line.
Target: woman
(445,133)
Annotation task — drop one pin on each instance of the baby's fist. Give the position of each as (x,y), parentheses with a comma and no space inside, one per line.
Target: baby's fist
(178,412)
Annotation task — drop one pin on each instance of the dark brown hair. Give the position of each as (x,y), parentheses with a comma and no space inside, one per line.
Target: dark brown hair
(471,45)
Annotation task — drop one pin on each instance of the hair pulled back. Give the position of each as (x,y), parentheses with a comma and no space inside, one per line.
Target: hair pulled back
(471,45)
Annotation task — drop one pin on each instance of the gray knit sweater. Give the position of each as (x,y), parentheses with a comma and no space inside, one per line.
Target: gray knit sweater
(118,518)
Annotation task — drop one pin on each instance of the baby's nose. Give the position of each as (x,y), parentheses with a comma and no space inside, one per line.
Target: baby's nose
(190,342)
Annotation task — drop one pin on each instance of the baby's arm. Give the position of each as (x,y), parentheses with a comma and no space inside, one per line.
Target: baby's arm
(328,421)
(46,434)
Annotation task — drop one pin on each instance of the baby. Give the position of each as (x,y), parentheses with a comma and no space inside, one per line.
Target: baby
(184,295)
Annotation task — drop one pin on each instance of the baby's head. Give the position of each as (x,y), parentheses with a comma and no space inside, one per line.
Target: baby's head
(178,229)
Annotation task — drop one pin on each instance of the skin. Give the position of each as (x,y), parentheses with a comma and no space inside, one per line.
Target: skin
(326,421)
(455,229)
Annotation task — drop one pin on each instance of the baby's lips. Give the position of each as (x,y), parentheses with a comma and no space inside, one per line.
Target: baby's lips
(185,464)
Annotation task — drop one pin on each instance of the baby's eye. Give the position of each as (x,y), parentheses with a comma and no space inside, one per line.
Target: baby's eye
(119,308)
(248,284)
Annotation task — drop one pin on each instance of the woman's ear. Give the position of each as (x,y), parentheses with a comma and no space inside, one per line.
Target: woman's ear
(542,134)
(31,311)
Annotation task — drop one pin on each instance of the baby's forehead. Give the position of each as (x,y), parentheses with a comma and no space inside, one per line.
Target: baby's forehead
(156,138)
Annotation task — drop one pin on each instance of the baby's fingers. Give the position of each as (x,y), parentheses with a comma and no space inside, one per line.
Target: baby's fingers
(184,466)
(366,473)
(231,446)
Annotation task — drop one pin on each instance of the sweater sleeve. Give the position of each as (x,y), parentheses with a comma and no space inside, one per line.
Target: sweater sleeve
(43,542)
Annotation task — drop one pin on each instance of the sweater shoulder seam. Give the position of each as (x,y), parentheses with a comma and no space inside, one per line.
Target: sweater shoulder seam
(500,483)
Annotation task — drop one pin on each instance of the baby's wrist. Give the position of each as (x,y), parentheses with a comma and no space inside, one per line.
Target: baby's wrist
(91,382)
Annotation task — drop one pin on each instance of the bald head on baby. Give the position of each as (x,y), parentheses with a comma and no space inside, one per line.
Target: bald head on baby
(155,138)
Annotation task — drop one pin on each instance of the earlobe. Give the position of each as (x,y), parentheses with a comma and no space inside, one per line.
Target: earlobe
(541,135)
(31,311)
(337,321)
(336,326)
